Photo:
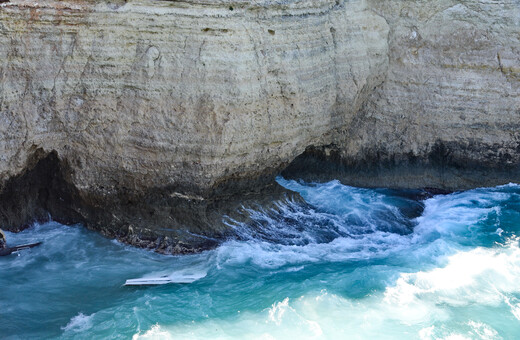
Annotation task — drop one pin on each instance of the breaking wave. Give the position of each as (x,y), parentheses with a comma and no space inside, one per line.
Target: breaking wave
(346,263)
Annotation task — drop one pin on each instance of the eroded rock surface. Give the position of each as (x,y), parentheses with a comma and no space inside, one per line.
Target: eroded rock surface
(160,116)
(447,114)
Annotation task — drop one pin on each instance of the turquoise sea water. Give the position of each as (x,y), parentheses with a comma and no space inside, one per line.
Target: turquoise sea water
(351,264)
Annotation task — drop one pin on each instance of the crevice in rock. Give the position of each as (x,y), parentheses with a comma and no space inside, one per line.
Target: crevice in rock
(500,66)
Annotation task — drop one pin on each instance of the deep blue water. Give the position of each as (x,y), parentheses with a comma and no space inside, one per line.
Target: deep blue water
(352,263)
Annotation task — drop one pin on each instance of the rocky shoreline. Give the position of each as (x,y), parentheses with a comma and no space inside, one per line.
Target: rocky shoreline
(151,120)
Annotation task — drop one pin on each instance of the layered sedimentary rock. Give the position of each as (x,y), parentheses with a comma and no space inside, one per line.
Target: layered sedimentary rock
(148,120)
(153,112)
(447,114)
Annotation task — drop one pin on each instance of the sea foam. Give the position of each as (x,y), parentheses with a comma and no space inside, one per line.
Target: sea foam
(79,323)
(349,263)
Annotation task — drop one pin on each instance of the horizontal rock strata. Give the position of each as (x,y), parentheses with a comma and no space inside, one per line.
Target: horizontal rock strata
(149,120)
(447,114)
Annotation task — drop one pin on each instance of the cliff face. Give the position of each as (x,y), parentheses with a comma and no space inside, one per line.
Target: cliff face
(447,114)
(147,118)
(181,93)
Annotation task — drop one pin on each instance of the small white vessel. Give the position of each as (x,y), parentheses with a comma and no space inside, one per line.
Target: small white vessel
(176,277)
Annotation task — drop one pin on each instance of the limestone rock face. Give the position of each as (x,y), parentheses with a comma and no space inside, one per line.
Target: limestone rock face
(183,94)
(452,90)
(147,119)
(155,108)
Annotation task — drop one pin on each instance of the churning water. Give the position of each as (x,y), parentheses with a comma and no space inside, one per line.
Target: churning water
(351,264)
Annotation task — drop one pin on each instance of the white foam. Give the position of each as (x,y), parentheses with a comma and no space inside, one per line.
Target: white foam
(484,332)
(456,300)
(156,332)
(454,214)
(277,311)
(418,305)
(483,275)
(269,255)
(353,215)
(79,323)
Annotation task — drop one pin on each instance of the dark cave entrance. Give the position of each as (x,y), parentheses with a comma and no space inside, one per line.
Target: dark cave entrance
(39,192)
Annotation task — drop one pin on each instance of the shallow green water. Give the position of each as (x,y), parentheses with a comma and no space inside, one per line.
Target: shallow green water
(353,263)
